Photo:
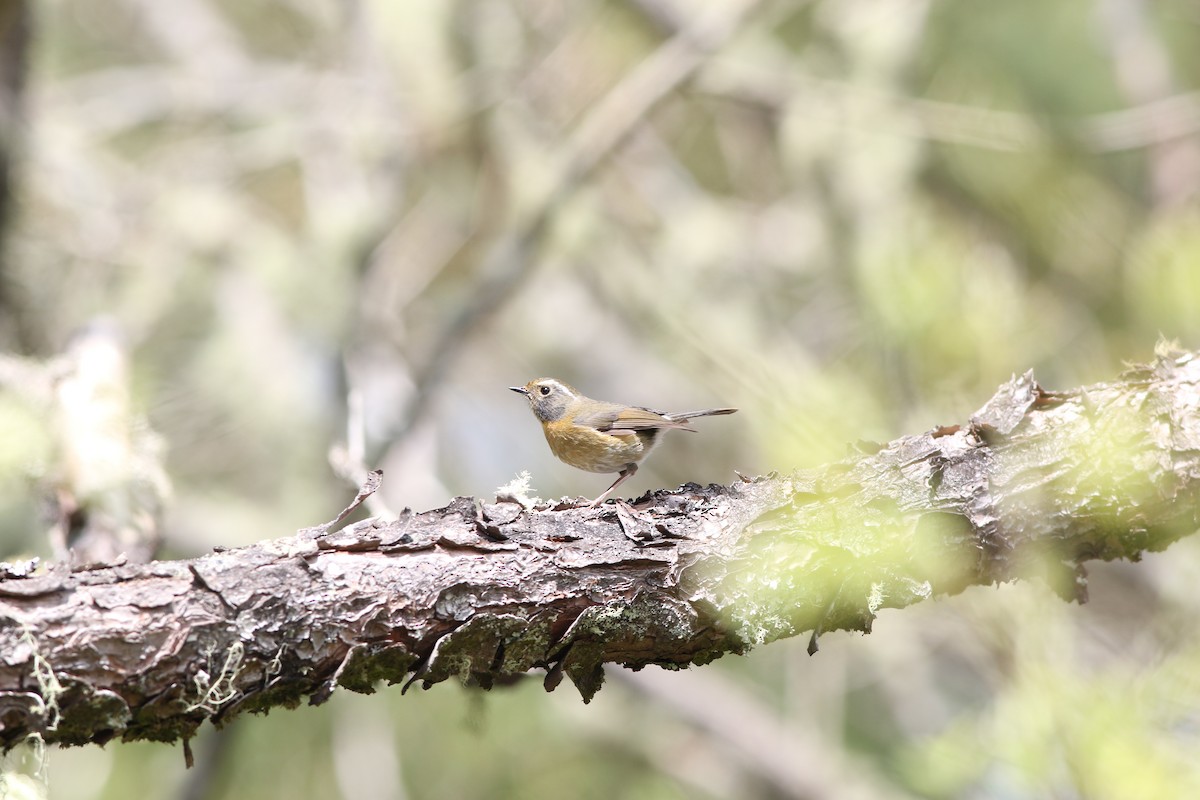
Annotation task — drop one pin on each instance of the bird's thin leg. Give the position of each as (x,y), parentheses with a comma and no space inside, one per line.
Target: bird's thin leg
(624,475)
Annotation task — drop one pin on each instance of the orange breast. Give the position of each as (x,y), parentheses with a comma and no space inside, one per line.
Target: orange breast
(589,449)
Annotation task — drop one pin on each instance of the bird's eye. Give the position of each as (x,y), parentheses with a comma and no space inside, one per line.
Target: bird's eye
(545,390)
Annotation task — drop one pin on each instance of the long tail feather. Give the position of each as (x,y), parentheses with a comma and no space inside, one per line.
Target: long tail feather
(709,412)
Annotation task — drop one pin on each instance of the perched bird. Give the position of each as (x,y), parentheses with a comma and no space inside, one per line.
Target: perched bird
(597,436)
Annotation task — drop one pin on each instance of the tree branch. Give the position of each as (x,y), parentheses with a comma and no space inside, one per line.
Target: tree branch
(1035,483)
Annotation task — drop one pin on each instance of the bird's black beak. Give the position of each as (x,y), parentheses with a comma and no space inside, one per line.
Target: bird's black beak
(519,390)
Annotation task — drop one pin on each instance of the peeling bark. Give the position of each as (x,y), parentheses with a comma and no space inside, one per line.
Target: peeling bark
(1034,484)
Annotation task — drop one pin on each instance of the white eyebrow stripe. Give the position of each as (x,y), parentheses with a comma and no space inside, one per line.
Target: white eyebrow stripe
(563,389)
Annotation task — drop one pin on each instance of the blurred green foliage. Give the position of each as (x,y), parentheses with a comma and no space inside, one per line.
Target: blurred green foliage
(852,221)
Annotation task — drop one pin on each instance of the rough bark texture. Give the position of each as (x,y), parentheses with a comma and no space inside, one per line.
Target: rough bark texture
(1035,483)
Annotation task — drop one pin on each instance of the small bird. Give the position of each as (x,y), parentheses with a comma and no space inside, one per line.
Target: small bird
(597,436)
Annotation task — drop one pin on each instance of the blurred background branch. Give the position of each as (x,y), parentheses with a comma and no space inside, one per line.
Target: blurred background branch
(796,763)
(607,125)
(15,33)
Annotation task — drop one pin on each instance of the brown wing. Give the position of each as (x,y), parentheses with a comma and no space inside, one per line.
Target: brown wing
(616,419)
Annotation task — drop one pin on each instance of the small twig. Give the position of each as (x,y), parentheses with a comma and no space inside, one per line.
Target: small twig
(349,461)
(369,486)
